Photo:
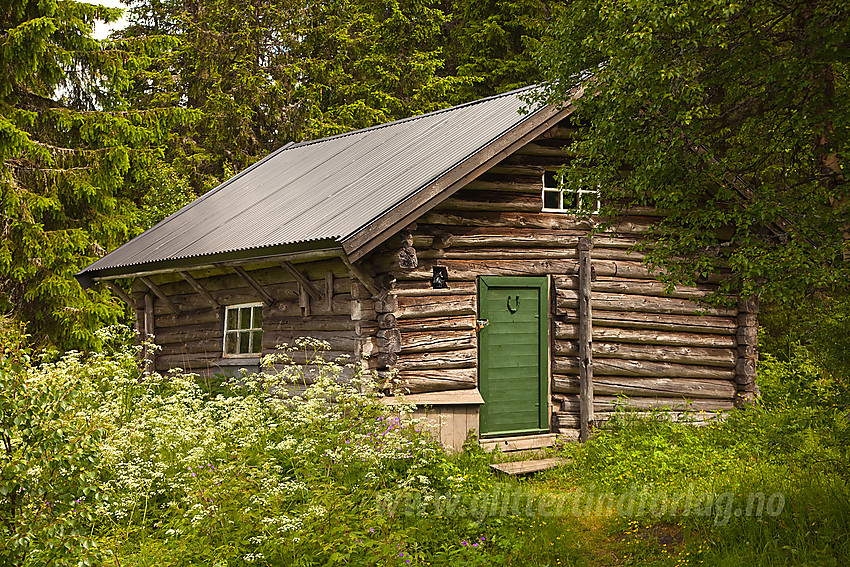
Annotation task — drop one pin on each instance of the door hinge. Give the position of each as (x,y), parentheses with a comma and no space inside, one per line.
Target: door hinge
(481,323)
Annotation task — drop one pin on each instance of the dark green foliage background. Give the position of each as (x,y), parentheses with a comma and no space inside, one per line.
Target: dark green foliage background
(101,139)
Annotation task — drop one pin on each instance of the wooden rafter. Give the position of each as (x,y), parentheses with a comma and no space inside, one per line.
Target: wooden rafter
(200,289)
(113,287)
(361,275)
(267,299)
(301,279)
(160,294)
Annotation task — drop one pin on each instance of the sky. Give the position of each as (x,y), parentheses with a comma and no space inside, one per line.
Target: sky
(102,30)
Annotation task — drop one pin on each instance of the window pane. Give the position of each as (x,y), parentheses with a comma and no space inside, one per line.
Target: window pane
(571,200)
(245,318)
(230,319)
(551,179)
(257,341)
(230,343)
(588,202)
(244,338)
(551,199)
(258,318)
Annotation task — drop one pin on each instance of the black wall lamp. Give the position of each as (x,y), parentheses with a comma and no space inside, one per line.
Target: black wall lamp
(440,278)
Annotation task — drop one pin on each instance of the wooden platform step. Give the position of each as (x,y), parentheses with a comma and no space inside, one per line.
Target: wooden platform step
(519,442)
(528,467)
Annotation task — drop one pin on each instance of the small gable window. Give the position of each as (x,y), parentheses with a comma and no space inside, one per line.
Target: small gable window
(557,198)
(243,329)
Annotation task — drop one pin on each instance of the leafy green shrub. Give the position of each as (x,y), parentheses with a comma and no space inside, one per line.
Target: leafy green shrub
(51,432)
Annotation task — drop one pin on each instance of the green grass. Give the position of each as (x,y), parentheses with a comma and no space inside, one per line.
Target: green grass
(187,477)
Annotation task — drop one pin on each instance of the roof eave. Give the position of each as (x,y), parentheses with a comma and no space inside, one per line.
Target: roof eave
(316,249)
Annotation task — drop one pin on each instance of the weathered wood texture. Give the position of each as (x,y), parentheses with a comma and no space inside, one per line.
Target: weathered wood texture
(747,337)
(450,425)
(585,339)
(313,299)
(641,331)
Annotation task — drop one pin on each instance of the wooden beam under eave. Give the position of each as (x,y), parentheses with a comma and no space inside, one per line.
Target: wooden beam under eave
(200,289)
(160,294)
(125,297)
(301,279)
(267,298)
(361,275)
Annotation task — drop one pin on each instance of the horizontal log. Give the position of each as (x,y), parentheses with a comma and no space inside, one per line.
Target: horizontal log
(636,368)
(523,238)
(422,289)
(568,299)
(664,322)
(466,358)
(533,149)
(418,381)
(501,254)
(528,185)
(271,322)
(516,169)
(362,310)
(469,270)
(184,318)
(725,358)
(182,334)
(207,346)
(341,305)
(546,162)
(506,202)
(654,337)
(567,420)
(650,387)
(437,323)
(570,403)
(421,307)
(550,221)
(188,362)
(505,253)
(291,377)
(432,341)
(638,286)
(309,355)
(338,340)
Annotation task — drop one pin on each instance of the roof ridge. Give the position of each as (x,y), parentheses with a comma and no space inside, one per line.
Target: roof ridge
(406,119)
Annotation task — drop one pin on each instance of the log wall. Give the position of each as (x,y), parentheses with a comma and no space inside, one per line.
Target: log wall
(191,338)
(660,349)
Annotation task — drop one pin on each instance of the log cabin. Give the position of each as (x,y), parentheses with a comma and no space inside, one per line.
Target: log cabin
(442,252)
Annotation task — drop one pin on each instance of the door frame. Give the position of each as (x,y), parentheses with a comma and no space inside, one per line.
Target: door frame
(542,283)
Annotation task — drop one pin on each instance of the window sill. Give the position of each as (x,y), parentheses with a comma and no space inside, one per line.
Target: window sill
(249,360)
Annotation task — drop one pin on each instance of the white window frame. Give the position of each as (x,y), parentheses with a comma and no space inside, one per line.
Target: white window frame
(237,331)
(560,190)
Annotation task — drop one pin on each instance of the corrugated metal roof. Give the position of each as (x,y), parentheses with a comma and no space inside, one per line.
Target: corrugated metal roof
(324,189)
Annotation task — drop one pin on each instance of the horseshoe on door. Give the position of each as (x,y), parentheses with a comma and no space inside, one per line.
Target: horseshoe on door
(516,304)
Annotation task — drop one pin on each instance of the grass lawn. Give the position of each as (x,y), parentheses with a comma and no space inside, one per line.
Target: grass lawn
(105,468)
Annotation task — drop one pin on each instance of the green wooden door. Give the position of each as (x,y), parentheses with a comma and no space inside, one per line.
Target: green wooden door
(513,354)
